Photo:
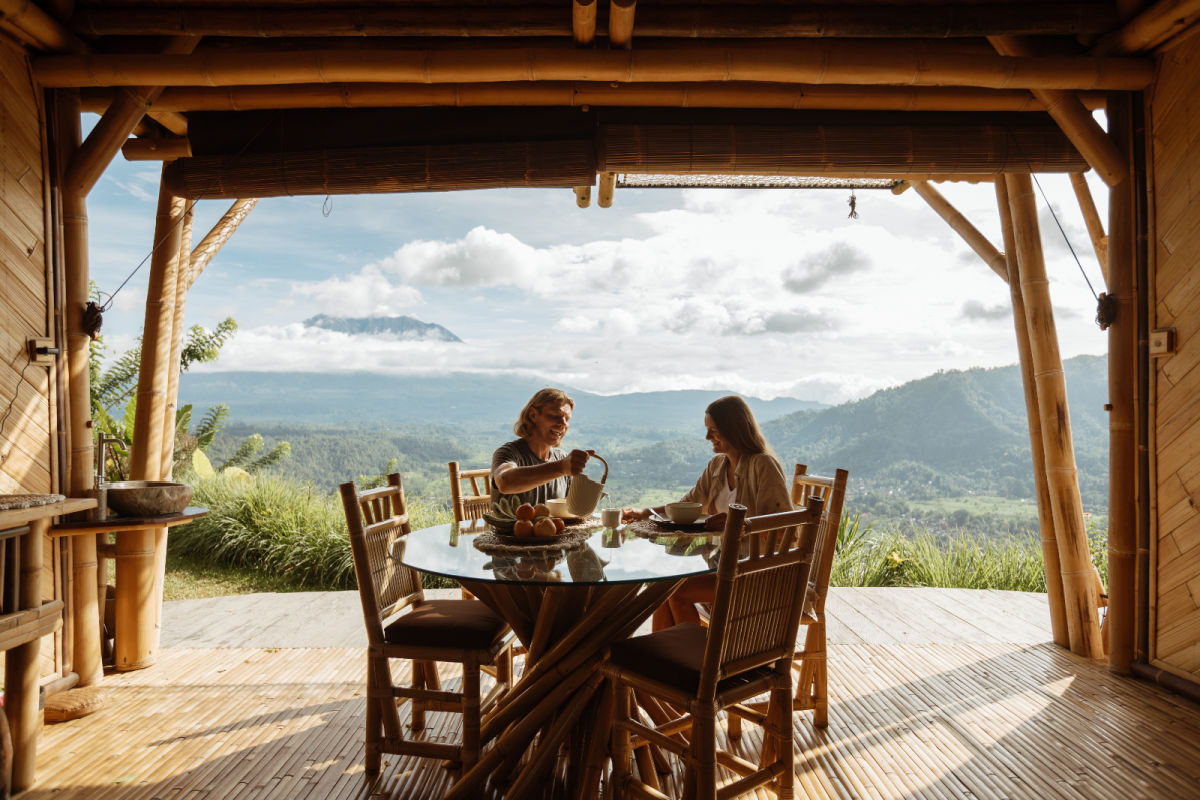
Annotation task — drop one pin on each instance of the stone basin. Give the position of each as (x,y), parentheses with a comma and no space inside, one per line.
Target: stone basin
(148,498)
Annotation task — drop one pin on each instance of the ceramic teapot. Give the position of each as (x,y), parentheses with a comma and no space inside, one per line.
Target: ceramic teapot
(584,494)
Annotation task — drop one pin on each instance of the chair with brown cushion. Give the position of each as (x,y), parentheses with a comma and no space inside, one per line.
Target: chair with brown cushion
(402,624)
(745,651)
(810,661)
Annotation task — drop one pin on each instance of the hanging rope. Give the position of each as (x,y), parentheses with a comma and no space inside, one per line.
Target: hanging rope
(853,206)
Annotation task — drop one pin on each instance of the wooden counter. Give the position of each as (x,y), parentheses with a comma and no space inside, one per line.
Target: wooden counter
(119,524)
(24,620)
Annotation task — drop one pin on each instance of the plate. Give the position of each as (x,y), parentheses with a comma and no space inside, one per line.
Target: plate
(697,525)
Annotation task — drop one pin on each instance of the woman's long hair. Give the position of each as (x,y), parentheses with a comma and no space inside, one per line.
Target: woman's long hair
(736,424)
(544,397)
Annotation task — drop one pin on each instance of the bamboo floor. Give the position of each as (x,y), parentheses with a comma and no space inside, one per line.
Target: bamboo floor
(939,720)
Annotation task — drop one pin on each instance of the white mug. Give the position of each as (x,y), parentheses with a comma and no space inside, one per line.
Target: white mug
(610,517)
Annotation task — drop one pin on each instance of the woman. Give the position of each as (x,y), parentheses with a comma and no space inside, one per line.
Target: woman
(745,471)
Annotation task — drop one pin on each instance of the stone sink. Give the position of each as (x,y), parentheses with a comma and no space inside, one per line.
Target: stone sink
(148,498)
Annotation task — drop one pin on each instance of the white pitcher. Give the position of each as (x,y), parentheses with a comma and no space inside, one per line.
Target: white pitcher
(584,494)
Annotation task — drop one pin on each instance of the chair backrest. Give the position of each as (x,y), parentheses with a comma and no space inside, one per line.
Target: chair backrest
(755,613)
(478,496)
(377,520)
(833,492)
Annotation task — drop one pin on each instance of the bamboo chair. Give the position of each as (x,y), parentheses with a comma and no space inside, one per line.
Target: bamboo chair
(402,624)
(745,651)
(470,506)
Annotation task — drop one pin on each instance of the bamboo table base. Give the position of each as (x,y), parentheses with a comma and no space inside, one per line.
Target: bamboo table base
(557,707)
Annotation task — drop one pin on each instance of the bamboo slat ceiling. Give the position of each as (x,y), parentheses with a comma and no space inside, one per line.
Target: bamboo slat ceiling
(271,97)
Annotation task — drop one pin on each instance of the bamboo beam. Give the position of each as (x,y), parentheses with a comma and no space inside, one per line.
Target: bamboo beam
(1078,575)
(85,609)
(1091,218)
(156,148)
(576,94)
(1054,584)
(963,227)
(583,21)
(583,196)
(620,22)
(1075,120)
(127,109)
(694,22)
(137,635)
(38,27)
(1122,398)
(816,61)
(1151,28)
(216,237)
(607,184)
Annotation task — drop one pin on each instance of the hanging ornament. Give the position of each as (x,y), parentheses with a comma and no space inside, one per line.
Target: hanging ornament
(853,203)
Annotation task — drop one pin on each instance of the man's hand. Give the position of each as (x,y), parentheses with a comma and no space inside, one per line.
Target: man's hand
(576,460)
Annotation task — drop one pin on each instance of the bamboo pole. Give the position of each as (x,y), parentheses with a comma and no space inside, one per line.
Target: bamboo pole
(816,61)
(126,110)
(696,21)
(1091,218)
(581,93)
(962,226)
(137,637)
(1054,585)
(156,148)
(583,21)
(583,196)
(1122,431)
(215,239)
(606,184)
(88,661)
(620,22)
(1084,132)
(1078,575)
(1151,28)
(38,27)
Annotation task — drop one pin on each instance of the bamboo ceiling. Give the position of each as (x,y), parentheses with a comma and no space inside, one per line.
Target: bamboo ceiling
(272,97)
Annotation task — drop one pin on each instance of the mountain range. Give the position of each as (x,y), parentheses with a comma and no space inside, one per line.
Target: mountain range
(403,327)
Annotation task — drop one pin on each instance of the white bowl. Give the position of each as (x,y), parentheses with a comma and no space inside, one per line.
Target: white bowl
(558,507)
(683,513)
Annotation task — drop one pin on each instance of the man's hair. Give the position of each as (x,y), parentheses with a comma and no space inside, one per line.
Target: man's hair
(736,424)
(543,398)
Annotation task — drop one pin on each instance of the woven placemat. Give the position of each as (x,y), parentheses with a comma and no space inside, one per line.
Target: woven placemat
(491,542)
(648,529)
(11,501)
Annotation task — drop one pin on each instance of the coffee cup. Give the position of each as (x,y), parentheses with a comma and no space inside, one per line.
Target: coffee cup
(610,517)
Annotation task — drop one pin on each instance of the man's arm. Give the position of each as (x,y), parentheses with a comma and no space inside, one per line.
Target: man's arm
(511,479)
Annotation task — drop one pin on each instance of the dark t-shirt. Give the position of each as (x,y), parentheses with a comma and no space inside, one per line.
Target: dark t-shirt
(518,452)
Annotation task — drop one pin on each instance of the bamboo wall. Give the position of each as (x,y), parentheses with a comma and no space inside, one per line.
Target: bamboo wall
(1174,627)
(27,463)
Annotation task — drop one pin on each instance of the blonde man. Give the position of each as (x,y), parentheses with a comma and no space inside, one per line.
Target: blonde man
(532,468)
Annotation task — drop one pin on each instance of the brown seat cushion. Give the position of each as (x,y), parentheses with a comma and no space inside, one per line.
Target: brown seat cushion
(674,657)
(447,623)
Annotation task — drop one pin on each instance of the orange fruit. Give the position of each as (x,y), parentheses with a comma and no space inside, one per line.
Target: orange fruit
(523,527)
(525,511)
(559,524)
(541,510)
(544,527)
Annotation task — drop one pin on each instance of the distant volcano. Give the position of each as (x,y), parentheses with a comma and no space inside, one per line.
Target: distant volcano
(405,328)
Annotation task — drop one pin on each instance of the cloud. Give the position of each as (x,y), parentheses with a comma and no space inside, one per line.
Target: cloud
(367,293)
(817,269)
(975,310)
(481,258)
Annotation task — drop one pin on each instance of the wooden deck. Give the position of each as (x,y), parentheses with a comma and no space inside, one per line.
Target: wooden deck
(934,694)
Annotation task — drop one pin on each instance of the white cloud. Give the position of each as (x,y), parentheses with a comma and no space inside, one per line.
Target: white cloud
(367,293)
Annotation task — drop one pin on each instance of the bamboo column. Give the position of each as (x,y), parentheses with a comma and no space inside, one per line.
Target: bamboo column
(583,21)
(963,227)
(1091,218)
(1078,575)
(1054,585)
(85,608)
(215,239)
(1122,431)
(137,636)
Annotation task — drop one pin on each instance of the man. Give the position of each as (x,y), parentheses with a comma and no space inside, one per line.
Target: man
(532,468)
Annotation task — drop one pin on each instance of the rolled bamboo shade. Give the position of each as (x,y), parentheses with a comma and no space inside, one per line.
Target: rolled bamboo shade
(427,168)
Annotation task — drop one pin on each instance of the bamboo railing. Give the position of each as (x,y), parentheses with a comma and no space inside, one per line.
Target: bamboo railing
(1078,575)
(815,61)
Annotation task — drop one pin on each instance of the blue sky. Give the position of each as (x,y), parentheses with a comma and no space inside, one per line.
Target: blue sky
(768,293)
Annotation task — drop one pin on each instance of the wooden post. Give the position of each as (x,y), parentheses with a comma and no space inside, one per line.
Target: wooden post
(1122,397)
(583,196)
(137,634)
(1078,575)
(1054,586)
(607,183)
(962,226)
(1092,219)
(583,21)
(21,663)
(85,609)
(620,22)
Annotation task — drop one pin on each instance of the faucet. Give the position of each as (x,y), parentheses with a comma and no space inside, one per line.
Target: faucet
(105,440)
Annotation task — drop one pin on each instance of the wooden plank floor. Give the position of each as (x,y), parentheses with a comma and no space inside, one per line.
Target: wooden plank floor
(909,719)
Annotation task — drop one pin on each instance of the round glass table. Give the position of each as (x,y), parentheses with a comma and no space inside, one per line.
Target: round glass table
(566,605)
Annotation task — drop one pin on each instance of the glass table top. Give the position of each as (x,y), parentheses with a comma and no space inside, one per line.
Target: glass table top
(608,556)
